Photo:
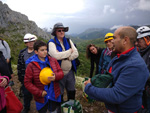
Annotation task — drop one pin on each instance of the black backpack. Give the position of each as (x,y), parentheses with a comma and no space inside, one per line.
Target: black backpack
(76,60)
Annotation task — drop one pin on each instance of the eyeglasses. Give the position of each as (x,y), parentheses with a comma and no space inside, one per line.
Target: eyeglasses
(61,30)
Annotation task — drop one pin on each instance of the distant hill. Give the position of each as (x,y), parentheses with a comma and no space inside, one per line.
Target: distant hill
(12,23)
(94,33)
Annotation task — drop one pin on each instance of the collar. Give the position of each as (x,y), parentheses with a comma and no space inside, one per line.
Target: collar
(125,52)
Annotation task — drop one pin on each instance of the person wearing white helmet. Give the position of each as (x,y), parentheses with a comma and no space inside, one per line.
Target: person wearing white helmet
(143,42)
(29,40)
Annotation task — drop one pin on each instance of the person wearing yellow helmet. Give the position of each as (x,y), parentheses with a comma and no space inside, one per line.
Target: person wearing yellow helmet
(106,53)
(42,78)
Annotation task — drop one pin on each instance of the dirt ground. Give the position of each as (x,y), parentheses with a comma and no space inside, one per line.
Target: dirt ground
(93,107)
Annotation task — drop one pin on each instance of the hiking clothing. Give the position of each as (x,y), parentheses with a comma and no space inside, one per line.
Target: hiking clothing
(61,51)
(21,66)
(2,95)
(129,77)
(104,60)
(4,69)
(95,59)
(32,81)
(68,81)
(27,98)
(5,49)
(145,54)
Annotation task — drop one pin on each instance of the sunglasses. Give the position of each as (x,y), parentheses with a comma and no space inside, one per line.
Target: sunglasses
(61,30)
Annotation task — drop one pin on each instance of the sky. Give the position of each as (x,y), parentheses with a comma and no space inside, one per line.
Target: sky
(80,15)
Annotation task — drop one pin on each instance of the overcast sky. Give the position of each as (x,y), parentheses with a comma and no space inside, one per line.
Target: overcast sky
(80,15)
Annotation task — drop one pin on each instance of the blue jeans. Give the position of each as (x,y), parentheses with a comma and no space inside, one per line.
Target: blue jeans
(27,98)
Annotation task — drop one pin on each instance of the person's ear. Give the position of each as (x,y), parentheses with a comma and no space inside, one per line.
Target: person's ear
(126,39)
(36,52)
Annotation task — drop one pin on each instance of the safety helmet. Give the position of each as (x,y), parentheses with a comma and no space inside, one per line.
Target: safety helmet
(29,37)
(109,36)
(44,74)
(143,32)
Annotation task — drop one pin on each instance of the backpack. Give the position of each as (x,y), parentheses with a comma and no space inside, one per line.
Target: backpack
(102,80)
(76,60)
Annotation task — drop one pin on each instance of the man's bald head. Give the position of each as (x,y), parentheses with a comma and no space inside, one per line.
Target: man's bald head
(129,32)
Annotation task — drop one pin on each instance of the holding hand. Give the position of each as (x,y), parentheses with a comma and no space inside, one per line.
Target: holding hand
(44,93)
(3,82)
(86,82)
(52,78)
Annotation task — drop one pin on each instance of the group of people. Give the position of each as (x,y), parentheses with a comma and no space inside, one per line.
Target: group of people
(122,57)
(129,91)
(59,55)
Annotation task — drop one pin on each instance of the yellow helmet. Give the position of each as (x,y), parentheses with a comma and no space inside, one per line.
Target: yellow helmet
(44,74)
(109,36)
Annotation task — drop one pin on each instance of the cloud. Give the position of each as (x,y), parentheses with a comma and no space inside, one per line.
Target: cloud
(112,10)
(115,27)
(144,5)
(108,9)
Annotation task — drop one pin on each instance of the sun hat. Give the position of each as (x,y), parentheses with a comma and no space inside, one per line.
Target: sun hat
(29,37)
(58,25)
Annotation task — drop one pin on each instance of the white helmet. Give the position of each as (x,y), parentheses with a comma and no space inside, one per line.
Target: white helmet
(143,32)
(29,37)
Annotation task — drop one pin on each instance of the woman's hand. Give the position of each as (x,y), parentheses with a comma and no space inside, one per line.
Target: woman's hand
(3,82)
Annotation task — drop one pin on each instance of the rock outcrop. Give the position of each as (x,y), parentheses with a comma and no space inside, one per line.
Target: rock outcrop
(12,23)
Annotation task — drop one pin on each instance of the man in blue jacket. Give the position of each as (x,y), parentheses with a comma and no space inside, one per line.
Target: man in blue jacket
(129,76)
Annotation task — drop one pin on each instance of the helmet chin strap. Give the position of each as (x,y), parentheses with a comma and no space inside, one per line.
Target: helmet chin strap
(147,42)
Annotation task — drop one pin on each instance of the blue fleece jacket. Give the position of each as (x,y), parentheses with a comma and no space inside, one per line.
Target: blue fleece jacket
(130,74)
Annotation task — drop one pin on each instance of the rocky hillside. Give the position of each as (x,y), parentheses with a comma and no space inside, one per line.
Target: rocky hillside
(12,23)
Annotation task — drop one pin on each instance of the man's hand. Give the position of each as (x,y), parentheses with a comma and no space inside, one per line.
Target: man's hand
(52,78)
(88,81)
(3,82)
(44,93)
(71,50)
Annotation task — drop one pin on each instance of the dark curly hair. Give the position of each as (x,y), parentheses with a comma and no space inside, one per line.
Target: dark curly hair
(88,52)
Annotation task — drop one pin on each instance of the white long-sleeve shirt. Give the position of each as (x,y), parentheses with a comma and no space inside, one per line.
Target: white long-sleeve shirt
(65,64)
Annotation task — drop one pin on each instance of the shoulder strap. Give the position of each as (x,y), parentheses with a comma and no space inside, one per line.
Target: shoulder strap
(3,43)
(68,40)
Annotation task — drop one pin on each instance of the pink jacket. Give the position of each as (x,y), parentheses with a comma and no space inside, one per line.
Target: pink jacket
(2,95)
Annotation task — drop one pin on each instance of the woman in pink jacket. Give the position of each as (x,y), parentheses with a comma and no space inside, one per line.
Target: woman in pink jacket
(3,82)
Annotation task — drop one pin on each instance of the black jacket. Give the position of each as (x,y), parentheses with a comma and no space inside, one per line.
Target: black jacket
(4,70)
(95,60)
(21,66)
